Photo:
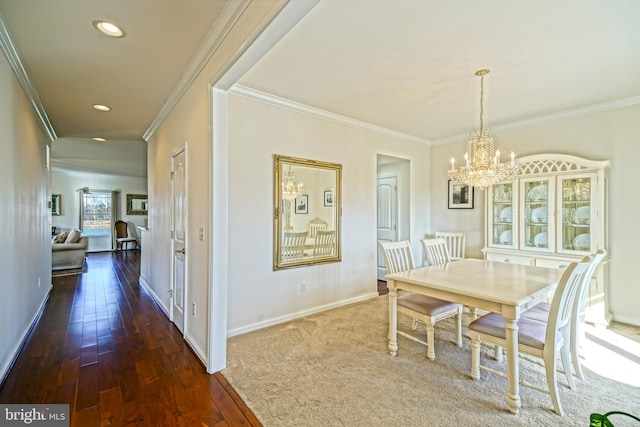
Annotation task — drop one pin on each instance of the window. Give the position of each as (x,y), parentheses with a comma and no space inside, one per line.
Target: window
(96,214)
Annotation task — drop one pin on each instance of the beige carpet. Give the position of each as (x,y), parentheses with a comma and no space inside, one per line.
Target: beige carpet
(333,369)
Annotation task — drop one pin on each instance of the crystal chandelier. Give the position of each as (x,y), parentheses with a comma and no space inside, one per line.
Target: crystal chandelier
(290,188)
(482,166)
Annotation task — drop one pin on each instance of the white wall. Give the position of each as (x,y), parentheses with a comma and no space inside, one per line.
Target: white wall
(25,257)
(257,294)
(190,122)
(611,135)
(66,183)
(193,111)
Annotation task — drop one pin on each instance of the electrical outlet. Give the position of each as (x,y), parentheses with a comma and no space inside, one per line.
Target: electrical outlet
(193,309)
(39,282)
(201,233)
(303,286)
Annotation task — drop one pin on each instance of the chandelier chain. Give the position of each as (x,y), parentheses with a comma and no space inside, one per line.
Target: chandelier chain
(482,166)
(481,101)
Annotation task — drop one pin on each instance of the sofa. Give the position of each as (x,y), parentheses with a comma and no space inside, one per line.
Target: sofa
(68,250)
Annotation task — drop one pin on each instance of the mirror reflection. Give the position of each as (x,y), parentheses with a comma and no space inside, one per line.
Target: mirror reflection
(137,204)
(307,212)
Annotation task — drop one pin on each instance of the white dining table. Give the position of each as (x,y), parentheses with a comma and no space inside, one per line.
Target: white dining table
(508,289)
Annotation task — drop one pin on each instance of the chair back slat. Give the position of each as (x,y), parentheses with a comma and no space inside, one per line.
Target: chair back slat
(315,227)
(563,301)
(397,256)
(293,246)
(596,258)
(455,242)
(324,243)
(435,251)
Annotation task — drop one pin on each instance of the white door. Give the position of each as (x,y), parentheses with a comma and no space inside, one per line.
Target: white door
(178,234)
(387,200)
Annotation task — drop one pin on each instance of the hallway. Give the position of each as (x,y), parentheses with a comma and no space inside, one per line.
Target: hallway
(104,347)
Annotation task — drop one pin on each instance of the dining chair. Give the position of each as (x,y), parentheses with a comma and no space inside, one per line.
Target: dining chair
(435,251)
(324,243)
(541,311)
(428,310)
(538,339)
(314,227)
(455,242)
(122,235)
(293,245)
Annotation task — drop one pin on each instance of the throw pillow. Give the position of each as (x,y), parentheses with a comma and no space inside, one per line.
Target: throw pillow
(60,238)
(73,237)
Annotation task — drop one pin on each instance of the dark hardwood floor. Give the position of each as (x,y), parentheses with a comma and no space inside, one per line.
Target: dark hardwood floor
(104,347)
(382,287)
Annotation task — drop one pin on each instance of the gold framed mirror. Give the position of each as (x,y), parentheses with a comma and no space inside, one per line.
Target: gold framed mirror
(137,204)
(307,212)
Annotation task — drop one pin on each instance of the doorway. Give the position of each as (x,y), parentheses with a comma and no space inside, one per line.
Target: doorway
(392,201)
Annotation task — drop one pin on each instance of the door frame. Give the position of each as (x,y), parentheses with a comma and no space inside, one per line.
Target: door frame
(283,21)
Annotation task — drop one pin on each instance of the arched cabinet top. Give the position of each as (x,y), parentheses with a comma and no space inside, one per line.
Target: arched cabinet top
(557,164)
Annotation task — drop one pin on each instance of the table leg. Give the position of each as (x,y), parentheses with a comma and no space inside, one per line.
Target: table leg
(513,374)
(393,318)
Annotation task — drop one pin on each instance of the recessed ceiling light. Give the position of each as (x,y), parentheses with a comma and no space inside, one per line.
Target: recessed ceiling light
(101,107)
(108,28)
(99,139)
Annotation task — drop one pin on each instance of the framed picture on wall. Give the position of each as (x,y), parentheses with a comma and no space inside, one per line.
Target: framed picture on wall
(328,198)
(56,204)
(460,195)
(302,204)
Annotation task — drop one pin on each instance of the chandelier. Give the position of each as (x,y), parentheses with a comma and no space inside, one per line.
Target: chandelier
(290,188)
(482,166)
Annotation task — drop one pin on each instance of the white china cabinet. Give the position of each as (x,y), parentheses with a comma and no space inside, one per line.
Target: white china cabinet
(552,214)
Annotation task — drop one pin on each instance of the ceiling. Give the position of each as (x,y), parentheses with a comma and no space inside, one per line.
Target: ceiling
(73,66)
(410,65)
(407,66)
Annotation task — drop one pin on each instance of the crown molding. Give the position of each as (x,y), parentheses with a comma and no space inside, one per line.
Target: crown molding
(13,57)
(284,15)
(219,31)
(549,118)
(277,101)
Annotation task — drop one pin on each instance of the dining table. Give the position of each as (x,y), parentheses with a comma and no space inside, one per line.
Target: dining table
(499,287)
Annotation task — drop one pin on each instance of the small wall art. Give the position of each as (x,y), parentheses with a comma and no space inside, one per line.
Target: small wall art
(460,195)
(56,204)
(302,204)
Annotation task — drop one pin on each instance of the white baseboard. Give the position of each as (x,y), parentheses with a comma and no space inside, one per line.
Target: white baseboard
(627,320)
(4,370)
(297,315)
(155,297)
(197,350)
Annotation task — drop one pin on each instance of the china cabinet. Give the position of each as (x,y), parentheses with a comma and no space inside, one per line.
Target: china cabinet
(552,214)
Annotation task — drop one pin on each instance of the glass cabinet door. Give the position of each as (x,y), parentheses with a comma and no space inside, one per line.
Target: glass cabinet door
(538,221)
(502,214)
(576,208)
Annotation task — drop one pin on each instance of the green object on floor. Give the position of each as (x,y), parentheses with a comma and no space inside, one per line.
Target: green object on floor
(602,420)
